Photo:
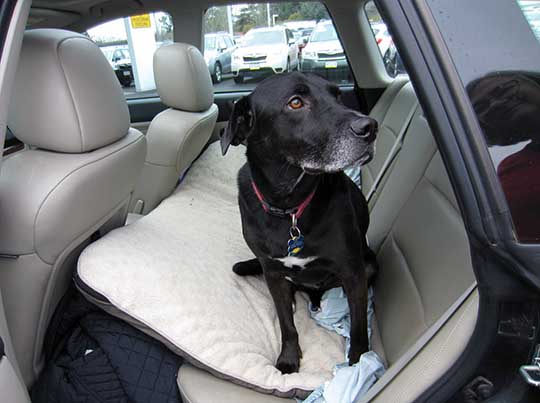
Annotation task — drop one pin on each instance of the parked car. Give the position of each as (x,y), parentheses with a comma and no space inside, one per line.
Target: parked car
(301,31)
(382,36)
(392,61)
(218,49)
(120,60)
(324,53)
(265,51)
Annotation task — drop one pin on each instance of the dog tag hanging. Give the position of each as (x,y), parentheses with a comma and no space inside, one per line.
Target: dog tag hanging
(296,242)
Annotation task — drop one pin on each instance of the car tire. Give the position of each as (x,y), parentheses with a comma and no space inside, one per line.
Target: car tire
(288,67)
(124,81)
(217,76)
(239,79)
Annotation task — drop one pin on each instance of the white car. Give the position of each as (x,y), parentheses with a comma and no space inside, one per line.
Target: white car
(324,55)
(262,51)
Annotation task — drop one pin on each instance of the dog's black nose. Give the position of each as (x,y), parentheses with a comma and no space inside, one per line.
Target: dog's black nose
(365,128)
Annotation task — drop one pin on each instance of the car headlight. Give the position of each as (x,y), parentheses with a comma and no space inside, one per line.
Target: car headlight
(236,57)
(309,54)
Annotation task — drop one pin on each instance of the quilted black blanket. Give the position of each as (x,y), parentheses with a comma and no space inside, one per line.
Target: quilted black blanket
(98,358)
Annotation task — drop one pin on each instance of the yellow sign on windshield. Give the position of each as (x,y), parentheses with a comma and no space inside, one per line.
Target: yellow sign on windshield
(140,21)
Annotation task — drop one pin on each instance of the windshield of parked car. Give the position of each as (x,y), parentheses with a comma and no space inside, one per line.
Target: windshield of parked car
(209,42)
(254,38)
(324,33)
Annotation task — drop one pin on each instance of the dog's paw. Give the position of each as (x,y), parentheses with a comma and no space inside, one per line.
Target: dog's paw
(248,268)
(289,359)
(355,352)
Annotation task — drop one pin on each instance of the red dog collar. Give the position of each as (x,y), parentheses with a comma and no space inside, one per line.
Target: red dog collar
(296,211)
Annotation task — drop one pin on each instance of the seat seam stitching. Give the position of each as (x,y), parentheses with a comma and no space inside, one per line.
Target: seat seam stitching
(409,270)
(393,223)
(70,90)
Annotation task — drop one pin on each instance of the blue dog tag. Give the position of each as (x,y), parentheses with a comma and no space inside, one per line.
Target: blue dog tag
(295,245)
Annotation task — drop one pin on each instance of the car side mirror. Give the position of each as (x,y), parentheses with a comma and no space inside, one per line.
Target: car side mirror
(305,41)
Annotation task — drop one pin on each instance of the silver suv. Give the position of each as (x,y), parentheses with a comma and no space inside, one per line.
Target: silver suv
(218,49)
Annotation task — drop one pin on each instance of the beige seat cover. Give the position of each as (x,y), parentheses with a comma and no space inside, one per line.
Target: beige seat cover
(170,271)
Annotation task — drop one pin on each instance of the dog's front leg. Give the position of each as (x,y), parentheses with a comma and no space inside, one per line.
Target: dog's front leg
(355,286)
(282,292)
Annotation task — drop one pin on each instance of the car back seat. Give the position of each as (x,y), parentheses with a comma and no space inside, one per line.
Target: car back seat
(393,112)
(423,252)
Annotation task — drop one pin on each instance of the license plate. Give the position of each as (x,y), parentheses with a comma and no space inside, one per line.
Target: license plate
(255,68)
(330,65)
(126,73)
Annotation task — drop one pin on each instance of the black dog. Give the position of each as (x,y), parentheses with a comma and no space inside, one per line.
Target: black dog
(302,217)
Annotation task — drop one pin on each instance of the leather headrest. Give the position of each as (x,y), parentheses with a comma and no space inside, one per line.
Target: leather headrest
(66,96)
(182,78)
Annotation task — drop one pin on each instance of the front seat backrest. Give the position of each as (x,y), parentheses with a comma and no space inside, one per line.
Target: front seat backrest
(177,135)
(74,179)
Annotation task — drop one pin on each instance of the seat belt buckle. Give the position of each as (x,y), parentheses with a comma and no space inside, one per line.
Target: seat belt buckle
(531,372)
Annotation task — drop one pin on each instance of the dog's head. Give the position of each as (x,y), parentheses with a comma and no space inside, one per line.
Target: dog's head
(299,118)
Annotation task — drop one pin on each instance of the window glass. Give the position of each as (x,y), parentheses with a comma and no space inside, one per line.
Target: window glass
(129,44)
(221,43)
(507,107)
(531,10)
(389,53)
(272,38)
(228,41)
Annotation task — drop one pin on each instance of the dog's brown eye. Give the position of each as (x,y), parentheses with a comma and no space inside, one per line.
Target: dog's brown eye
(296,103)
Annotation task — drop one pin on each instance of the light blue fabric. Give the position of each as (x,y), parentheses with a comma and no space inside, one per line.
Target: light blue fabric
(355,173)
(349,382)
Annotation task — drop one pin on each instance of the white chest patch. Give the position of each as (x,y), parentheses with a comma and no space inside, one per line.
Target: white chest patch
(290,261)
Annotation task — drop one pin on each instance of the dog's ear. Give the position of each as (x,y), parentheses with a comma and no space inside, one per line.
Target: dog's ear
(241,123)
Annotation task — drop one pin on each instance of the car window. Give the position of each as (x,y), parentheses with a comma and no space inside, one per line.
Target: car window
(324,32)
(506,105)
(272,38)
(221,43)
(129,44)
(531,11)
(391,59)
(210,42)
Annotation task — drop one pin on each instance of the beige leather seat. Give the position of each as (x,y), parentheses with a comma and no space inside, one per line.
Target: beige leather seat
(177,135)
(11,384)
(423,253)
(393,112)
(74,179)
